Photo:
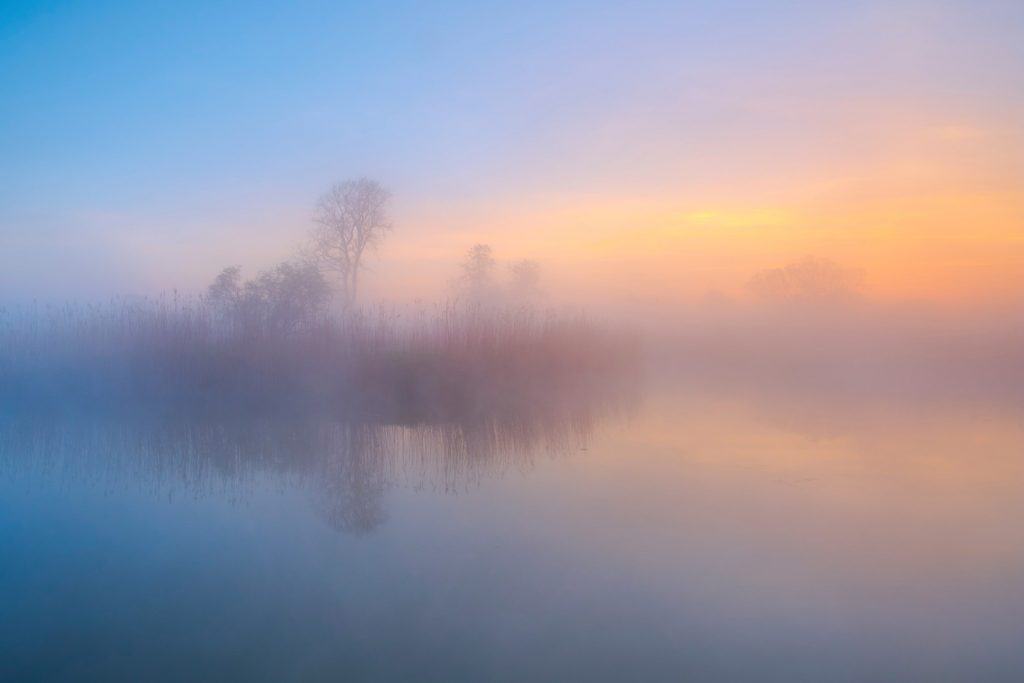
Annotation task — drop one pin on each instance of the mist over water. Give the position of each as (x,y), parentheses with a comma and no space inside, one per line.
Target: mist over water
(285,489)
(344,466)
(704,521)
(802,481)
(547,341)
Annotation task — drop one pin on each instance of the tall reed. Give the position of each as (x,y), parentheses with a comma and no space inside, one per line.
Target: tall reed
(428,365)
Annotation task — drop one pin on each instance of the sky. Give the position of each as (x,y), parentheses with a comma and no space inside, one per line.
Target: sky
(640,151)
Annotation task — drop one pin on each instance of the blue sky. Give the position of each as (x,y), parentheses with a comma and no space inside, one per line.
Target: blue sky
(130,133)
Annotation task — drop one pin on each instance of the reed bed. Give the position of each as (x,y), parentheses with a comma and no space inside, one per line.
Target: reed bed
(426,366)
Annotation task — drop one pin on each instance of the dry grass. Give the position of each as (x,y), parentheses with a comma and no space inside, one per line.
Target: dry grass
(429,366)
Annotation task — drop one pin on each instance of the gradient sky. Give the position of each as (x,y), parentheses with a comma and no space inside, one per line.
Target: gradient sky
(647,150)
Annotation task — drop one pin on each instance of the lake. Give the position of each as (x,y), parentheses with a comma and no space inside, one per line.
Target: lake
(699,533)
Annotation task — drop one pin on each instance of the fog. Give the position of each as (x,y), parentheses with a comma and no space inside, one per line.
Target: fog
(254,338)
(535,341)
(345,466)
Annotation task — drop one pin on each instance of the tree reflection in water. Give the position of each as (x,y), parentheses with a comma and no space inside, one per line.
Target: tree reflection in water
(345,466)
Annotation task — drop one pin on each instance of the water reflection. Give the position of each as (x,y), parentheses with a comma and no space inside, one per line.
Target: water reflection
(724,532)
(345,466)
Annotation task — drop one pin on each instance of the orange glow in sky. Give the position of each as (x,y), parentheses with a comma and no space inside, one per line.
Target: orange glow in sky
(655,151)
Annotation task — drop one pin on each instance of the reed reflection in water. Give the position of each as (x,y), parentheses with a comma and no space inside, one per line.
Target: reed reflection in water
(346,466)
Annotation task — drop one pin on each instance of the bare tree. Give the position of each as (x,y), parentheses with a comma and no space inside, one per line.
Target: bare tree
(475,283)
(350,217)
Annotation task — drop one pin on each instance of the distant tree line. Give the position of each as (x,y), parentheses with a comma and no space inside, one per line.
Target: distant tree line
(811,280)
(350,219)
(478,282)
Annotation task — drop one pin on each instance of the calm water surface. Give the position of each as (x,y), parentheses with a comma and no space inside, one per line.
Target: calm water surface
(711,535)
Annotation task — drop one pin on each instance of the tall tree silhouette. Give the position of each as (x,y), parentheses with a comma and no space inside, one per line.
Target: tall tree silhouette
(351,217)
